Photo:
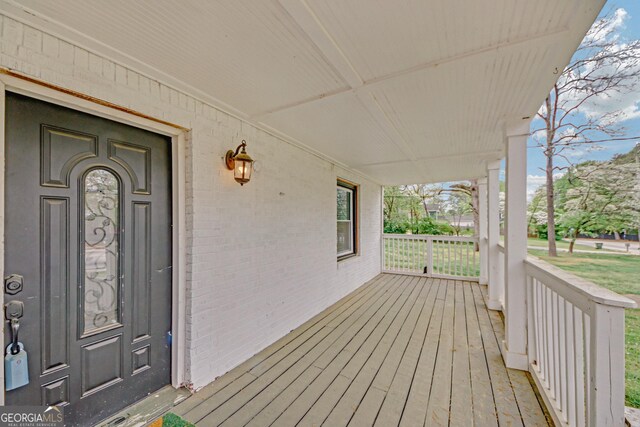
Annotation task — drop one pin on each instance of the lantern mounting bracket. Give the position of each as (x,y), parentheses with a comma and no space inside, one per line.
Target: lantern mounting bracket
(229,158)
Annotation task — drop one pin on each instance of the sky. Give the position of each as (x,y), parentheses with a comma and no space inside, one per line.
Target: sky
(629,29)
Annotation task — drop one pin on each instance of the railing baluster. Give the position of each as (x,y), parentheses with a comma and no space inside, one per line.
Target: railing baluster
(454,257)
(570,365)
(586,327)
(449,257)
(416,255)
(556,352)
(538,323)
(388,253)
(446,255)
(580,371)
(456,263)
(436,266)
(385,253)
(395,254)
(441,257)
(547,355)
(414,262)
(418,259)
(467,256)
(430,255)
(542,357)
(562,351)
(407,263)
(383,242)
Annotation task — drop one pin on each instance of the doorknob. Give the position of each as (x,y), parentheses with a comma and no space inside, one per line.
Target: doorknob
(16,365)
(13,310)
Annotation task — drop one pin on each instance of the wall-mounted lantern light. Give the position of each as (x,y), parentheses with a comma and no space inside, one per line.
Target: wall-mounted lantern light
(240,162)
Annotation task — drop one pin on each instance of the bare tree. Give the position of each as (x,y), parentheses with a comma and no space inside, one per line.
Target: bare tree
(604,67)
(469,190)
(427,193)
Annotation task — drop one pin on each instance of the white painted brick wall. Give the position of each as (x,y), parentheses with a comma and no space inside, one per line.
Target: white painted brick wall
(261,258)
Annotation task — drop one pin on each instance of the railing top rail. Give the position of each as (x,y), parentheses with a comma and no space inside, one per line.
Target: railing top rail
(555,278)
(501,247)
(432,237)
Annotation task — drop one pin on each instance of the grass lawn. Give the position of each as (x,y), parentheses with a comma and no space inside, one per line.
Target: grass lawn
(621,274)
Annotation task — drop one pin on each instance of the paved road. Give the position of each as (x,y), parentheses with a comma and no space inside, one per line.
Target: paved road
(613,245)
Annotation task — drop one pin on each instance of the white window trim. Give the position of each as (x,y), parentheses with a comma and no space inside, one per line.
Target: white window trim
(352,250)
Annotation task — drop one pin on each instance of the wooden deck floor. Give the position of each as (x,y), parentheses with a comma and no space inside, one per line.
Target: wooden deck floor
(400,350)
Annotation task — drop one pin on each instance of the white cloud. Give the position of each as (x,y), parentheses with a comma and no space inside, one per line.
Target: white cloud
(617,23)
(533,183)
(536,181)
(580,153)
(623,100)
(627,102)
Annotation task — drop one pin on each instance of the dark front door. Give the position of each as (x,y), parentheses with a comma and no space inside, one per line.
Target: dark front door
(88,227)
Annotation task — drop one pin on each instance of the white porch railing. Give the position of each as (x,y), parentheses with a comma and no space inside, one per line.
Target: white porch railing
(452,257)
(500,278)
(576,346)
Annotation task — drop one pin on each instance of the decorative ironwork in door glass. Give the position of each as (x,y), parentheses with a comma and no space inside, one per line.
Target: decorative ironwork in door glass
(101,255)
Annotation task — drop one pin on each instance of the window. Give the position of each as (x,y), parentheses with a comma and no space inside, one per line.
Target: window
(101,253)
(347,214)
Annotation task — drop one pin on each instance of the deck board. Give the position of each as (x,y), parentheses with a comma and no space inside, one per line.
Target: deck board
(400,350)
(461,376)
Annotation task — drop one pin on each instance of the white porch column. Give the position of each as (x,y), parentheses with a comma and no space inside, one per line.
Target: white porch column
(494,275)
(515,242)
(482,230)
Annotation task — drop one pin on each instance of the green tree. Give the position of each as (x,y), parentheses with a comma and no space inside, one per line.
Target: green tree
(457,205)
(601,199)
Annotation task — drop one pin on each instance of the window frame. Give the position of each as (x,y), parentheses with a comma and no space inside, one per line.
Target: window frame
(352,188)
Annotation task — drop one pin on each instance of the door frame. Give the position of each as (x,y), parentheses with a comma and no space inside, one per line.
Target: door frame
(28,86)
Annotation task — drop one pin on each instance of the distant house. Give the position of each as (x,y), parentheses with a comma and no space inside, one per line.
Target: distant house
(434,211)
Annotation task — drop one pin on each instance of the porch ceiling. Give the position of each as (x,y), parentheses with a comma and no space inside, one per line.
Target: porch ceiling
(404,92)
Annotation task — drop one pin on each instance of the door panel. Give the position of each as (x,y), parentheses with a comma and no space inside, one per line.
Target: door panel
(54,283)
(141,270)
(88,226)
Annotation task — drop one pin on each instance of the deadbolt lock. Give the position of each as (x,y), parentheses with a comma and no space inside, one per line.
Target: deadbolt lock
(13,284)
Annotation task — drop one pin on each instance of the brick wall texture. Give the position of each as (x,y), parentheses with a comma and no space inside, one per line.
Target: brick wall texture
(261,259)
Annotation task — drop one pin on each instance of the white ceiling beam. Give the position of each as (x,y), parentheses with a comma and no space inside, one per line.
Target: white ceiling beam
(369,102)
(310,24)
(308,21)
(556,34)
(481,155)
